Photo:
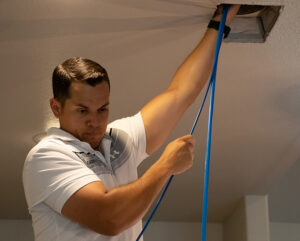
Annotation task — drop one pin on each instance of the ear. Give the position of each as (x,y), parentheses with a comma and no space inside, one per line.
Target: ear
(55,107)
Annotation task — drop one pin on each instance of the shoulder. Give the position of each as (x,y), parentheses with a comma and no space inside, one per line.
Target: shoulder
(133,126)
(50,153)
(48,147)
(128,124)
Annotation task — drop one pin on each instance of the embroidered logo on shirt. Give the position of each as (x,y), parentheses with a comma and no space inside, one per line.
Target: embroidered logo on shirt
(120,148)
(93,162)
(114,154)
(88,158)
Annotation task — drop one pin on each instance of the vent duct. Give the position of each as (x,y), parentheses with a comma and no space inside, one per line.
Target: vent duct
(255,21)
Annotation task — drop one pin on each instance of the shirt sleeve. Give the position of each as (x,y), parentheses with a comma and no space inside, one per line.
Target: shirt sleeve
(134,127)
(52,176)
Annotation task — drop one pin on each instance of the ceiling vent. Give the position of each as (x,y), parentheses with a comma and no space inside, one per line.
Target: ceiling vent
(255,20)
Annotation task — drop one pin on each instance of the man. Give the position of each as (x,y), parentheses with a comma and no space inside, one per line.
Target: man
(81,180)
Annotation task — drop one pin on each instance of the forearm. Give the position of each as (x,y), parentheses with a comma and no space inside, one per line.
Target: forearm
(194,72)
(110,212)
(196,69)
(161,115)
(127,204)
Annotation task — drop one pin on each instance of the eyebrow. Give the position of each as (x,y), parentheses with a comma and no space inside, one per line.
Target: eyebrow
(83,106)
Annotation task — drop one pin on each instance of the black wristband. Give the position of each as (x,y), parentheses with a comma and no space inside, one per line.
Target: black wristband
(215,25)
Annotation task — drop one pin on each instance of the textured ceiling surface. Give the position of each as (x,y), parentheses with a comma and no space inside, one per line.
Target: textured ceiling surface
(256,132)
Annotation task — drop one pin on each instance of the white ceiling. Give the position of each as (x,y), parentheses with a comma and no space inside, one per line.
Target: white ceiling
(256,133)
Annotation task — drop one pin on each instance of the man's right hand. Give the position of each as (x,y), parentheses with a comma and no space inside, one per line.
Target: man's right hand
(179,155)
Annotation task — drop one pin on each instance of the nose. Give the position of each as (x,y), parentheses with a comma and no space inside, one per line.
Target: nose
(93,120)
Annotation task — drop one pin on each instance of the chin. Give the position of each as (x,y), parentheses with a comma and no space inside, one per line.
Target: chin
(94,142)
(96,147)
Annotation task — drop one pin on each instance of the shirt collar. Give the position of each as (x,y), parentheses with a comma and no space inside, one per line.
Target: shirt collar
(58,133)
(63,135)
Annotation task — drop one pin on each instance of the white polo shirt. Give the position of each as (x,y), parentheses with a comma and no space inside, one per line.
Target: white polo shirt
(61,164)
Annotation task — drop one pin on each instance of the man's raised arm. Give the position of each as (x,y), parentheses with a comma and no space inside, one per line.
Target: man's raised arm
(161,114)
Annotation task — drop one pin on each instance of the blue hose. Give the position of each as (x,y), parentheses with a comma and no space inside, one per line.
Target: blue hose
(210,118)
(208,147)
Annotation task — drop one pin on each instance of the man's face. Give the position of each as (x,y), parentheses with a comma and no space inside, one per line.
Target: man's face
(85,113)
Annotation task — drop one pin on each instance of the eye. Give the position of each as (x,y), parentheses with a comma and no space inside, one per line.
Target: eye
(103,109)
(82,111)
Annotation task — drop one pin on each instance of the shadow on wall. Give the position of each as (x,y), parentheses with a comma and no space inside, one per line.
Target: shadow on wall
(285,193)
(288,100)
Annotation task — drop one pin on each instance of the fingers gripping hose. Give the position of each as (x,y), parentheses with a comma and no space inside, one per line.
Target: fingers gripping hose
(211,83)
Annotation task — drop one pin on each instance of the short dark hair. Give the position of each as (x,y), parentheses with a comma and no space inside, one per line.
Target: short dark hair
(76,69)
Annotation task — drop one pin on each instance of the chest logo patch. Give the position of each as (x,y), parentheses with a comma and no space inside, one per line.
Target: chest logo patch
(93,162)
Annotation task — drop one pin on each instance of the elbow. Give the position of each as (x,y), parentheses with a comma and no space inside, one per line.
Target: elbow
(113,230)
(112,220)
(110,228)
(115,227)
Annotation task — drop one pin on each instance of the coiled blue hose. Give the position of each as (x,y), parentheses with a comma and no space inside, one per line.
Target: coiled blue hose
(208,146)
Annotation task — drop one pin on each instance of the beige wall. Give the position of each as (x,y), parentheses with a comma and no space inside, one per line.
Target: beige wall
(16,230)
(180,231)
(285,231)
